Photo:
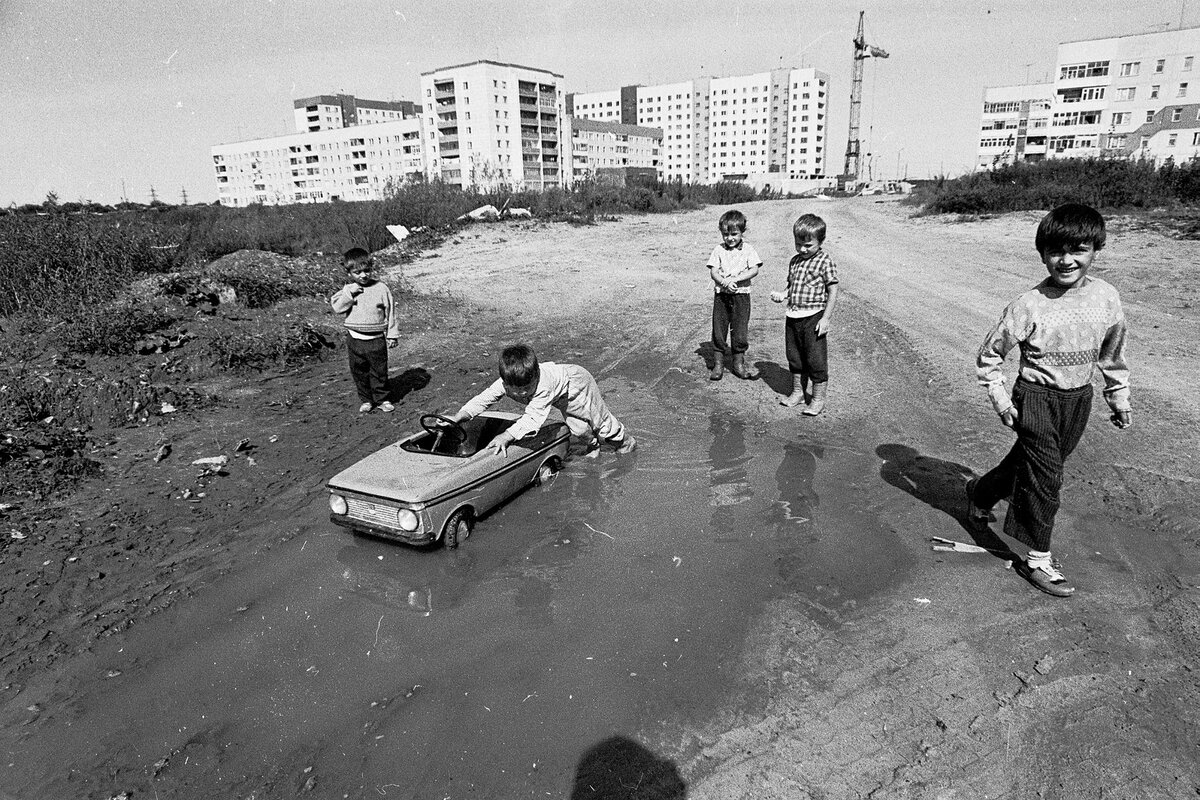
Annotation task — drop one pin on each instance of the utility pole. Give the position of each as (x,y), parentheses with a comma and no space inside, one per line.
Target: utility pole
(853,167)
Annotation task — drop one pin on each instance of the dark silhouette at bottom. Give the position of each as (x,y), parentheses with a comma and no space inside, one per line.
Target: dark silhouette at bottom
(619,768)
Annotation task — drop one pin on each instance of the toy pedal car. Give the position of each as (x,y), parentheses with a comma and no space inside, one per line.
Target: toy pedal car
(436,483)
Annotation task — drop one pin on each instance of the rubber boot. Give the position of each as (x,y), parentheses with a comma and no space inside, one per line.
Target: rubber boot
(798,395)
(718,369)
(739,368)
(818,399)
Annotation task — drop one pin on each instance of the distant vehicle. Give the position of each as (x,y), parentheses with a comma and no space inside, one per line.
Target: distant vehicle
(882,187)
(435,484)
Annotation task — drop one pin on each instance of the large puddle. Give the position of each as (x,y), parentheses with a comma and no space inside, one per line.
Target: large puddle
(576,618)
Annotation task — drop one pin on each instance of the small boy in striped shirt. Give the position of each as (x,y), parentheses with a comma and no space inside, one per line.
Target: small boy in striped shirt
(1066,327)
(812,290)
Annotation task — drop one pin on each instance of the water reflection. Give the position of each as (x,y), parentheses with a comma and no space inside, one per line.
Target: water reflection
(798,500)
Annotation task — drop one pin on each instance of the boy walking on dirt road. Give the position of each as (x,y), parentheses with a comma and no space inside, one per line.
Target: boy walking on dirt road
(539,387)
(1065,327)
(371,329)
(812,290)
(731,266)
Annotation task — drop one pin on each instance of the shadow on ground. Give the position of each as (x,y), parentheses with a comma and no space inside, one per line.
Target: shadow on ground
(779,378)
(619,768)
(407,382)
(939,484)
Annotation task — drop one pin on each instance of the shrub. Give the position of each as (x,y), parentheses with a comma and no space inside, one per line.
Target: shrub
(113,330)
(1102,183)
(62,262)
(265,345)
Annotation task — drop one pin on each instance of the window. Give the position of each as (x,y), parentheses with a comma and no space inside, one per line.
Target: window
(1176,114)
(1121,118)
(1149,116)
(1091,69)
(1172,140)
(1195,139)
(1125,93)
(1130,68)
(1153,92)
(1159,66)
(1187,64)
(1182,90)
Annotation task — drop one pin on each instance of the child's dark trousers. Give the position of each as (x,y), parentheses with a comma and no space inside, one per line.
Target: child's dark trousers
(368,367)
(807,353)
(1050,423)
(731,317)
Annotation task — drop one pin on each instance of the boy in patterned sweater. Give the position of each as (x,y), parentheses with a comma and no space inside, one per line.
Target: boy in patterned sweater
(372,328)
(1065,327)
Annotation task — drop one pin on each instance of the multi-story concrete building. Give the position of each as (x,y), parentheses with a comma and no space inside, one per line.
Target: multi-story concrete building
(1016,123)
(355,163)
(1132,96)
(601,147)
(489,124)
(765,124)
(329,111)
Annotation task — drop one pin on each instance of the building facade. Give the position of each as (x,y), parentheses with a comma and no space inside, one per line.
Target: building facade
(1016,124)
(489,124)
(329,111)
(1135,96)
(355,163)
(598,147)
(767,123)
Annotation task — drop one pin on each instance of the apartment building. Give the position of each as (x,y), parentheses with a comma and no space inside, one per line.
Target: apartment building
(1016,124)
(353,163)
(329,111)
(1135,96)
(600,148)
(489,123)
(768,123)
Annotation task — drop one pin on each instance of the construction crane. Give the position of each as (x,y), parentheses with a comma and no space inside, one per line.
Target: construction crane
(862,51)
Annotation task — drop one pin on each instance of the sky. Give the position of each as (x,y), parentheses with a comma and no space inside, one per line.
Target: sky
(110,99)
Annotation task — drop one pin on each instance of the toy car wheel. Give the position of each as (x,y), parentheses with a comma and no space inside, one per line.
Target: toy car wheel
(545,472)
(458,528)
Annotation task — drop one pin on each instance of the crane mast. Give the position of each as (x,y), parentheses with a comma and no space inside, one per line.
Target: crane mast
(862,51)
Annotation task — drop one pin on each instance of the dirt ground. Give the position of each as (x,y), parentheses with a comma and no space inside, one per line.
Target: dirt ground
(963,682)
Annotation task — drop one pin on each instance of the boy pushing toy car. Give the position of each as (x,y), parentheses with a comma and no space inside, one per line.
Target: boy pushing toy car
(539,387)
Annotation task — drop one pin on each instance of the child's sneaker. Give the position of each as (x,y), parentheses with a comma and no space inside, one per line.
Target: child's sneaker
(387,407)
(364,408)
(627,445)
(1045,576)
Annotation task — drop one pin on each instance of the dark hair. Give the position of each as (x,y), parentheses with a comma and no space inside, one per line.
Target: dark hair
(732,219)
(355,255)
(1070,224)
(518,365)
(811,224)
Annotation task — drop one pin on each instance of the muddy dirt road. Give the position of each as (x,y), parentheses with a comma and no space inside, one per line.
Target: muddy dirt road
(748,607)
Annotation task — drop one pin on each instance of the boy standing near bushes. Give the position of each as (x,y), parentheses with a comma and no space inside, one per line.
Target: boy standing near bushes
(371,329)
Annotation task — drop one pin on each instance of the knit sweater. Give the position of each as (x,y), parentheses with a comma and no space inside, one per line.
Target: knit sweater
(370,312)
(1064,335)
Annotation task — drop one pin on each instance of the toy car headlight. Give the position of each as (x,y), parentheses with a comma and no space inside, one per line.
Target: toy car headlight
(337,504)
(407,520)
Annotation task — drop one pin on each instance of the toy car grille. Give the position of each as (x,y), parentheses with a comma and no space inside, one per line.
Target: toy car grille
(370,512)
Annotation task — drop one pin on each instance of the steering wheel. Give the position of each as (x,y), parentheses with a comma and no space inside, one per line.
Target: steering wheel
(437,425)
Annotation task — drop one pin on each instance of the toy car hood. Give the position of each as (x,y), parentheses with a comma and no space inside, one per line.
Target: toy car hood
(404,476)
